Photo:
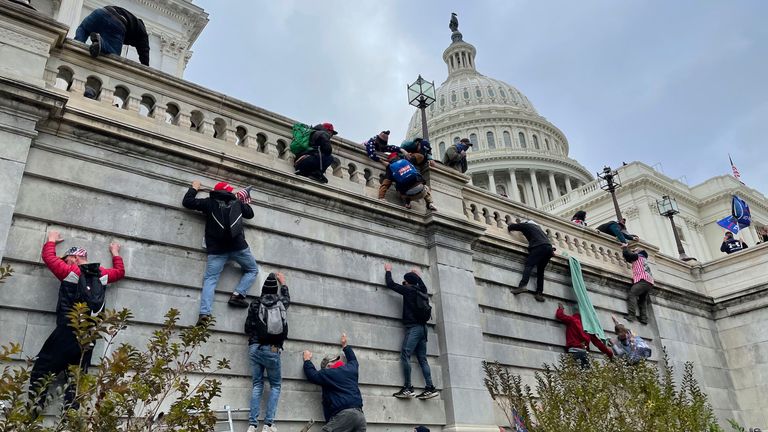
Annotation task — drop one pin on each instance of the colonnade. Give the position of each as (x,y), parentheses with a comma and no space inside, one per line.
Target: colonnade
(526,185)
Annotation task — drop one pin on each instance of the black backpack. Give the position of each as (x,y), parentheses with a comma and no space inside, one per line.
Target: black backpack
(90,290)
(228,218)
(423,311)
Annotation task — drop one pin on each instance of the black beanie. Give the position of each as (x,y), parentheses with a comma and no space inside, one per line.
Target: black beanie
(270,285)
(422,429)
(412,278)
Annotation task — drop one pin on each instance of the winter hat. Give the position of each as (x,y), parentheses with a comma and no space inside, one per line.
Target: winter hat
(331,362)
(412,278)
(223,186)
(466,141)
(75,251)
(329,128)
(643,253)
(384,136)
(422,429)
(270,285)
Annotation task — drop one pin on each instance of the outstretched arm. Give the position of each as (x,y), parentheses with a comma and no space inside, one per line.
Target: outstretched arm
(601,346)
(391,283)
(190,201)
(564,317)
(117,271)
(56,265)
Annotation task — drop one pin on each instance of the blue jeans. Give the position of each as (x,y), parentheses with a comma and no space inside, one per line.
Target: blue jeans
(111,30)
(616,230)
(263,359)
(213,271)
(314,163)
(415,341)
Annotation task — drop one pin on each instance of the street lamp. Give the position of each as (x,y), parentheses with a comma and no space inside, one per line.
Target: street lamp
(609,181)
(421,94)
(668,207)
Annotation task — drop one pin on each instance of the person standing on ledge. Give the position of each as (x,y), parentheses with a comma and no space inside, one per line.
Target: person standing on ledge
(110,28)
(642,283)
(731,245)
(456,155)
(224,241)
(540,251)
(313,162)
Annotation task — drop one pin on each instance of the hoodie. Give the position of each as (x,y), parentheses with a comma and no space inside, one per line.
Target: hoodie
(409,295)
(532,232)
(215,242)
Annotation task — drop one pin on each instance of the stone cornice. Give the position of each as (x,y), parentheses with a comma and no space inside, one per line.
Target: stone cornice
(477,159)
(494,118)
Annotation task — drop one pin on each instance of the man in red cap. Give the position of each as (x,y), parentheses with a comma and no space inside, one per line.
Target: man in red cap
(313,162)
(224,241)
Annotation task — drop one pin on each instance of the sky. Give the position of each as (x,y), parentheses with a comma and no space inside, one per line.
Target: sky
(677,85)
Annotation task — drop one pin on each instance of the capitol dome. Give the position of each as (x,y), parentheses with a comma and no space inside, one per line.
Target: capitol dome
(516,152)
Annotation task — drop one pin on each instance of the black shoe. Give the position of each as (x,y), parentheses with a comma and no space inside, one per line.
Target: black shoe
(518,290)
(319,177)
(643,320)
(629,317)
(202,320)
(405,393)
(539,297)
(95,48)
(428,393)
(238,300)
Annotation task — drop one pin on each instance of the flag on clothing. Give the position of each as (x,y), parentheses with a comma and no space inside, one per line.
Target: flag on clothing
(735,170)
(740,212)
(519,425)
(729,223)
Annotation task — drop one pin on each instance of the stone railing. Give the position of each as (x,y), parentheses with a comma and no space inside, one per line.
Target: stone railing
(589,189)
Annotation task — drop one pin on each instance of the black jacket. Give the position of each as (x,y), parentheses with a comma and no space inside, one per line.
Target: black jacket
(732,246)
(340,389)
(606,228)
(135,32)
(532,232)
(320,138)
(253,317)
(214,243)
(409,297)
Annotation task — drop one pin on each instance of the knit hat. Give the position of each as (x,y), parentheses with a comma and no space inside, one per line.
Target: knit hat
(384,136)
(466,141)
(421,428)
(329,128)
(412,278)
(332,360)
(270,285)
(223,186)
(75,251)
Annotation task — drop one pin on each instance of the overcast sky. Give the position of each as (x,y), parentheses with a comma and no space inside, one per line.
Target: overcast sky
(679,84)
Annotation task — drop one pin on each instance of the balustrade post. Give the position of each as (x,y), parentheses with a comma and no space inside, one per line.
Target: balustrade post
(158,113)
(133,104)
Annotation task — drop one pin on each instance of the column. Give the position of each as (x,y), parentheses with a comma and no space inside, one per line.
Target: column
(491,182)
(536,190)
(513,185)
(568,187)
(69,13)
(553,185)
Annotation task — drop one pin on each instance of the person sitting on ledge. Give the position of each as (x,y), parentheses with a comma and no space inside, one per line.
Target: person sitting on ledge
(731,245)
(378,145)
(540,251)
(313,162)
(408,182)
(110,28)
(456,155)
(618,229)
(580,218)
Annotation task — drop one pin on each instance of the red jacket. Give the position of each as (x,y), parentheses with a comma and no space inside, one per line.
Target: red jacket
(69,275)
(576,337)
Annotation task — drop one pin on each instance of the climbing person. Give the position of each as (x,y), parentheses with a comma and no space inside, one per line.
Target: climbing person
(619,230)
(408,182)
(267,328)
(731,244)
(580,218)
(416,313)
(627,346)
(540,251)
(576,339)
(342,401)
(81,282)
(642,283)
(378,145)
(224,241)
(456,155)
(111,27)
(314,161)
(420,151)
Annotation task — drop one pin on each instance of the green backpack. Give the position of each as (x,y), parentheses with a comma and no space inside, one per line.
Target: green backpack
(300,141)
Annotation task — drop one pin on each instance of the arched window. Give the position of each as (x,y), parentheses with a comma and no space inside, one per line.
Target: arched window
(442,100)
(521,137)
(478,93)
(261,142)
(466,94)
(219,128)
(473,140)
(502,93)
(92,88)
(281,149)
(146,106)
(64,78)
(490,92)
(240,134)
(546,144)
(507,139)
(172,113)
(121,97)
(196,121)
(441,148)
(491,140)
(536,142)
(453,97)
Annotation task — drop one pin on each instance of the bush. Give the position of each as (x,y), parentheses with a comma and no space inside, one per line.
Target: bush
(612,396)
(129,389)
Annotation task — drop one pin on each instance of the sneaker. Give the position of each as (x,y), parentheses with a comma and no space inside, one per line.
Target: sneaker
(405,393)
(95,48)
(253,428)
(519,290)
(202,320)
(428,393)
(539,297)
(269,428)
(238,300)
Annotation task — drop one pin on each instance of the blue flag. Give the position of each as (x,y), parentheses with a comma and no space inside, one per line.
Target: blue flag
(729,223)
(740,212)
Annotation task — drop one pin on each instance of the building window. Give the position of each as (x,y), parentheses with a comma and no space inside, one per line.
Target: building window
(478,93)
(442,100)
(502,93)
(546,144)
(453,97)
(549,194)
(466,94)
(536,142)
(146,106)
(521,137)
(507,139)
(441,149)
(490,92)
(521,193)
(473,140)
(491,141)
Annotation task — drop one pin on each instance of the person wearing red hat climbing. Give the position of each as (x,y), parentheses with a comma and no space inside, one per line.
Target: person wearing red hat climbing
(224,241)
(313,162)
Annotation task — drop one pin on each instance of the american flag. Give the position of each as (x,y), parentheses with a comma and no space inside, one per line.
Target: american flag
(735,170)
(244,195)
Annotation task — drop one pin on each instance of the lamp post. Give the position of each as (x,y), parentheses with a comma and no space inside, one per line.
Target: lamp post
(421,94)
(668,207)
(609,181)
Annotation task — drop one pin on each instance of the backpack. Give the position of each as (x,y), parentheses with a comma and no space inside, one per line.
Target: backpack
(300,140)
(228,216)
(403,172)
(90,289)
(271,322)
(423,311)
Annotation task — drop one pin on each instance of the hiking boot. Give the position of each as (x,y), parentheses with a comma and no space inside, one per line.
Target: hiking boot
(269,428)
(428,393)
(405,393)
(253,428)
(539,297)
(238,300)
(518,290)
(95,48)
(202,320)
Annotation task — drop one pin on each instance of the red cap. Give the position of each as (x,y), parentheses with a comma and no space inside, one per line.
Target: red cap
(223,186)
(329,128)
(392,156)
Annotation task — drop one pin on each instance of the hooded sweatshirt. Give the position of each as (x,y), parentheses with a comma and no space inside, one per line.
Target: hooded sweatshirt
(532,232)
(269,296)
(409,295)
(216,243)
